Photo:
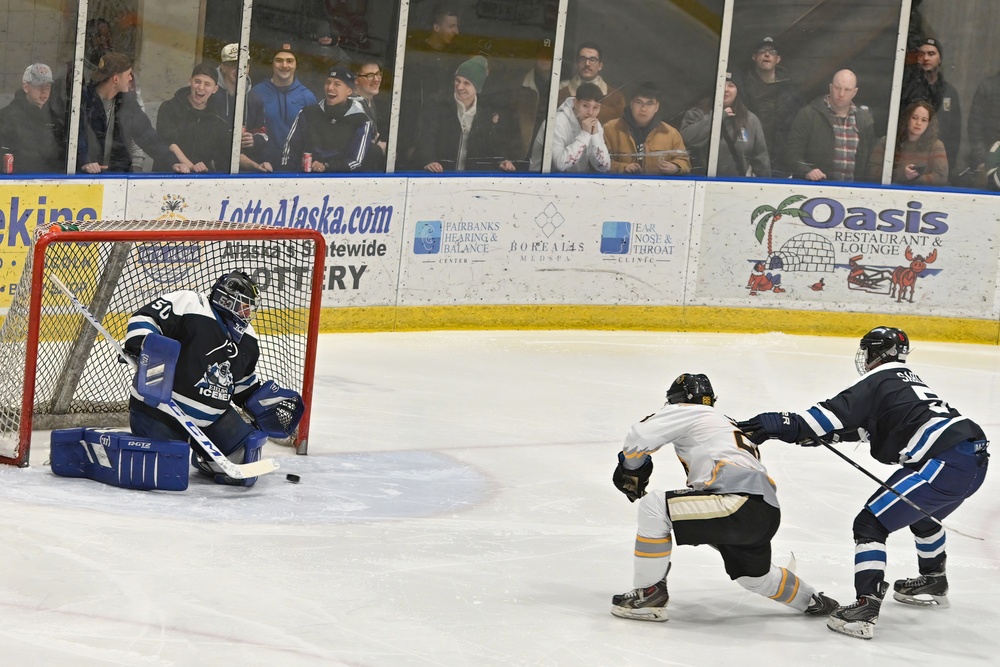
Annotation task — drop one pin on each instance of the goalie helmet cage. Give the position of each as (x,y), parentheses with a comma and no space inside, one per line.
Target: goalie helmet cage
(56,371)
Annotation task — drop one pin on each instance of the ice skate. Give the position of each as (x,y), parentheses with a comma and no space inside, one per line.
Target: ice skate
(927,590)
(821,605)
(643,604)
(858,619)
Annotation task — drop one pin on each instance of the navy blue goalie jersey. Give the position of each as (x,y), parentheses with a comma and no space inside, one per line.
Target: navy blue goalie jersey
(905,421)
(212,370)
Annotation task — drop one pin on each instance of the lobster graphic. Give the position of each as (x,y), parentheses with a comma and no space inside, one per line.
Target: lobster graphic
(905,277)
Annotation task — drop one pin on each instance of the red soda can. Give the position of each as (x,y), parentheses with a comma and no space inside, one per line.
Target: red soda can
(8,163)
(307,162)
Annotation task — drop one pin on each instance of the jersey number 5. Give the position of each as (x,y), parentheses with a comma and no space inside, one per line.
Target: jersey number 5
(936,404)
(743,443)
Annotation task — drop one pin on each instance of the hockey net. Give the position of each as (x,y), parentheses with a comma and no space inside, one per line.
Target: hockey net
(57,372)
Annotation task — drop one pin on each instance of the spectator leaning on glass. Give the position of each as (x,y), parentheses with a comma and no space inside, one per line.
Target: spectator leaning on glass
(589,63)
(254,141)
(920,157)
(190,122)
(639,142)
(831,138)
(577,136)
(768,91)
(29,128)
(925,81)
(110,119)
(283,97)
(336,133)
(466,132)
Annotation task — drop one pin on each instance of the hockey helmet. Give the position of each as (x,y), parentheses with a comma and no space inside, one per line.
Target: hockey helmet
(691,388)
(235,297)
(879,346)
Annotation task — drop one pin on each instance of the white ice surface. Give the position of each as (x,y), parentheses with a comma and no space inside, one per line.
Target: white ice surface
(456,508)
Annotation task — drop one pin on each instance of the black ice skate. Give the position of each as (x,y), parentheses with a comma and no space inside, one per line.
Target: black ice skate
(858,619)
(821,605)
(643,604)
(927,590)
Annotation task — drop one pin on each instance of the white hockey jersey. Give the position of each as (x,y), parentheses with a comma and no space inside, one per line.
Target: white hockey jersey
(714,453)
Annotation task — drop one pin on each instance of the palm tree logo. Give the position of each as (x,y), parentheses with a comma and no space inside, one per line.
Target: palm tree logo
(765,216)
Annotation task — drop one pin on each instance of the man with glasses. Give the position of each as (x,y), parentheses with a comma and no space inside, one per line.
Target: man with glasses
(588,63)
(831,139)
(641,143)
(768,91)
(368,77)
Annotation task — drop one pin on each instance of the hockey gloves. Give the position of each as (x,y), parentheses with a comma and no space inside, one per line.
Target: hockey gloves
(767,425)
(275,410)
(632,482)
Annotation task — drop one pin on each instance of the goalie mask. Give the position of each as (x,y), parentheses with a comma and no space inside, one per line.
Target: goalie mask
(689,388)
(879,346)
(235,298)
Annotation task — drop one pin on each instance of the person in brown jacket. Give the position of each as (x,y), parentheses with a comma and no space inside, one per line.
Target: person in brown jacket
(589,63)
(639,142)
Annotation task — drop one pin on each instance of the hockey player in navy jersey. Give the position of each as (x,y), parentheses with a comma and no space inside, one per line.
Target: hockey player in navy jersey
(729,503)
(943,457)
(214,369)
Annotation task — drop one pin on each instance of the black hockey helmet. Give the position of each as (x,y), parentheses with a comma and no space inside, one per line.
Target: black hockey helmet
(881,345)
(691,388)
(235,297)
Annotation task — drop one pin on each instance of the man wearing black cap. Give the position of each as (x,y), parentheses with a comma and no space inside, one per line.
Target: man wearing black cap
(337,133)
(925,81)
(283,97)
(29,128)
(767,90)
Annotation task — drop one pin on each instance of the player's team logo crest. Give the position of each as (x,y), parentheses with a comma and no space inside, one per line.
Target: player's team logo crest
(217,381)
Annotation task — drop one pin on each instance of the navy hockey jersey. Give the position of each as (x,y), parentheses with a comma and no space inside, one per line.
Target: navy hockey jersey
(212,370)
(904,420)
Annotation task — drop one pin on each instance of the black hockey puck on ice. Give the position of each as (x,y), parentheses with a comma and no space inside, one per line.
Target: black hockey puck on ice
(294,479)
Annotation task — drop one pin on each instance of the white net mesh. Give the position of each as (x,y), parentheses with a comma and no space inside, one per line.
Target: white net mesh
(78,381)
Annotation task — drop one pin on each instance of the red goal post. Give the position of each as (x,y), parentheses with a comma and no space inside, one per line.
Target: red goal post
(57,372)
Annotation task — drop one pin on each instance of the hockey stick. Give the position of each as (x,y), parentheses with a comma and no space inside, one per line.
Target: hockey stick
(234,470)
(894,491)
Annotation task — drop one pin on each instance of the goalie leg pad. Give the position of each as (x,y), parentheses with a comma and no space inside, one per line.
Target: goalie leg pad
(157,361)
(120,459)
(239,441)
(275,410)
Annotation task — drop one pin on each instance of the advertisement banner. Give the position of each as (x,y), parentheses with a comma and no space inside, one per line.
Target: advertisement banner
(848,249)
(25,205)
(482,241)
(361,219)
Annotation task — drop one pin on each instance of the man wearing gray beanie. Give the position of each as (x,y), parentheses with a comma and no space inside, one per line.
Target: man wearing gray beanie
(466,132)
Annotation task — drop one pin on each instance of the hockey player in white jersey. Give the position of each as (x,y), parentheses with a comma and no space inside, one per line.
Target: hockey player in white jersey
(214,366)
(944,460)
(729,503)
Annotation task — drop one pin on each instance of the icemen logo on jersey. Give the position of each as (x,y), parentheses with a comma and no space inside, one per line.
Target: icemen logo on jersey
(217,382)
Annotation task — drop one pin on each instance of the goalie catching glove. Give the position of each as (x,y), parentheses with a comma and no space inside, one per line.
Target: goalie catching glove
(632,483)
(275,410)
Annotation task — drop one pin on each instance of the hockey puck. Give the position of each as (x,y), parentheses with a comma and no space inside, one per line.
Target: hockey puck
(294,479)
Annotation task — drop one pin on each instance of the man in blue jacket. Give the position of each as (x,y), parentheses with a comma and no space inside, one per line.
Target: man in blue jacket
(283,97)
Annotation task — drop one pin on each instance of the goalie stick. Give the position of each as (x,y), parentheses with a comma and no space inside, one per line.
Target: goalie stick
(234,470)
(897,493)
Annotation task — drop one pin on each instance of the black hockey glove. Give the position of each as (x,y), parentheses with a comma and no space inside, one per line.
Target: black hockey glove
(632,482)
(767,425)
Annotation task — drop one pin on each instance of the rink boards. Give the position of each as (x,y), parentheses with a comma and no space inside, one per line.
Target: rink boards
(416,252)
